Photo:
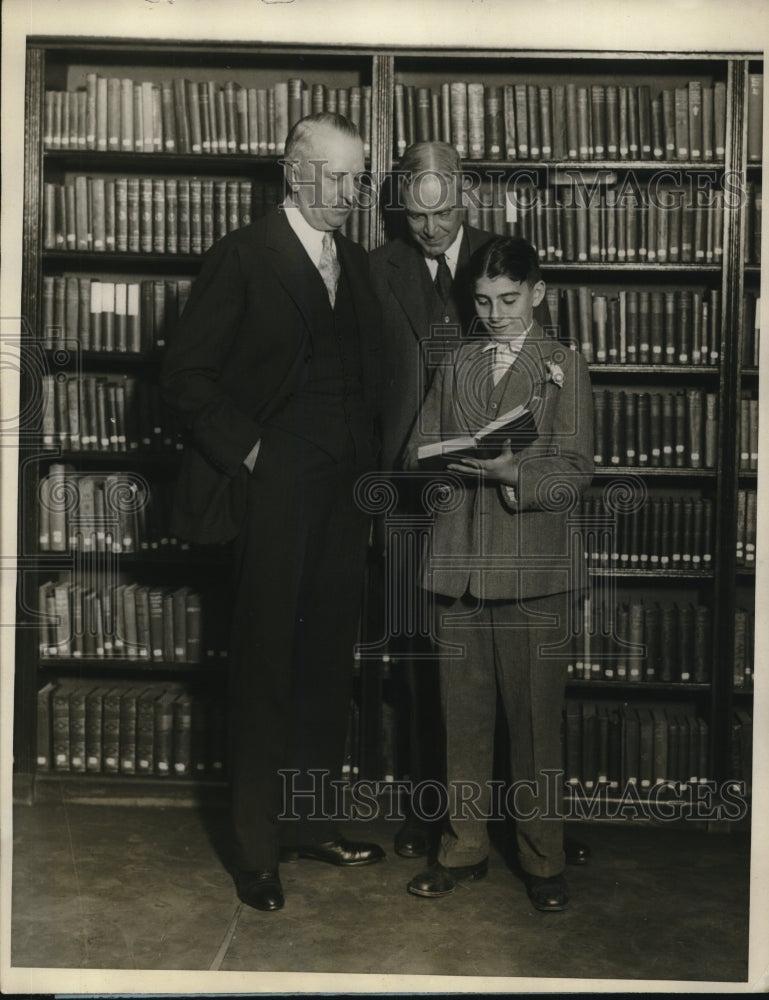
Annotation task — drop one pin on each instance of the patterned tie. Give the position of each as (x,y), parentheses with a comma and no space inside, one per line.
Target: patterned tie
(329,267)
(443,278)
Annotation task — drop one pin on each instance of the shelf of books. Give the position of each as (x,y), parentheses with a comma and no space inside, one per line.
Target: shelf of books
(138,157)
(637,177)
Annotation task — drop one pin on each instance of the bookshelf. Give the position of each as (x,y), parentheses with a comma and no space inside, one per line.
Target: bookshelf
(137,157)
(652,294)
(662,303)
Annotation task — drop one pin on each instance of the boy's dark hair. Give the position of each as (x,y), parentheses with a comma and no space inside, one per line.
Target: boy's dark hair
(506,256)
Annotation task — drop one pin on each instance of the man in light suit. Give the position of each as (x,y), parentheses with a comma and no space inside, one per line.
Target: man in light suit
(274,370)
(502,562)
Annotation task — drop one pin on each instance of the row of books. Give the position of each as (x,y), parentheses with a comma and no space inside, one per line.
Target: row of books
(747,514)
(747,440)
(156,730)
(627,744)
(741,747)
(106,413)
(159,730)
(634,641)
(613,225)
(125,621)
(186,215)
(95,314)
(744,648)
(751,329)
(100,619)
(662,533)
(657,327)
(656,429)
(172,215)
(678,327)
(519,121)
(186,116)
(113,512)
(508,122)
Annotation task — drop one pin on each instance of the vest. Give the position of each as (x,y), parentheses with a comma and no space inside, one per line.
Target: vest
(328,407)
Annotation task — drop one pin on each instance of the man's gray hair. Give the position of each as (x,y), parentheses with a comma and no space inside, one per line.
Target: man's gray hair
(430,159)
(300,136)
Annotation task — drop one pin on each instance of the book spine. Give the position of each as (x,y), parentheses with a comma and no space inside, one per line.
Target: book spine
(755,115)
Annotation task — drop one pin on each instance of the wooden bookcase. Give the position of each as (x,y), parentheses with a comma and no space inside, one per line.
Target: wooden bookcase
(55,64)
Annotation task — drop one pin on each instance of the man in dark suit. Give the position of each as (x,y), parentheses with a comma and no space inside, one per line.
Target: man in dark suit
(274,371)
(418,279)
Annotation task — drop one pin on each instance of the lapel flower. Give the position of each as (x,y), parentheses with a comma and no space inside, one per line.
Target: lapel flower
(555,373)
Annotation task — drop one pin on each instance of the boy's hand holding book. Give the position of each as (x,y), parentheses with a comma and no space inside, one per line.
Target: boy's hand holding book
(502,469)
(490,452)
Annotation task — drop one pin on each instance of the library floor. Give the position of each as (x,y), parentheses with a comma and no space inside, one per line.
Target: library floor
(103,886)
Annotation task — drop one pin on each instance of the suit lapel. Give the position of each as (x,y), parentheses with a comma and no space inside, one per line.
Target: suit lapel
(406,282)
(295,271)
(525,381)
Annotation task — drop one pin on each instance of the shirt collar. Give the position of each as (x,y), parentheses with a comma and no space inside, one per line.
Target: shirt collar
(451,254)
(510,347)
(310,238)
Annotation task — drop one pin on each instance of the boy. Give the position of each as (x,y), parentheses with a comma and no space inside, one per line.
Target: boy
(502,563)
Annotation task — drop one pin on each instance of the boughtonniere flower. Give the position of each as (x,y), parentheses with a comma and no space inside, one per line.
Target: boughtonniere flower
(555,373)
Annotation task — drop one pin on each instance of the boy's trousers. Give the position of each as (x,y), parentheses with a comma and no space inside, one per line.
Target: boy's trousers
(504,647)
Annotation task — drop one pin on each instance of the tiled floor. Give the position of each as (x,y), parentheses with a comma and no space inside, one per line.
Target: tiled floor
(102,886)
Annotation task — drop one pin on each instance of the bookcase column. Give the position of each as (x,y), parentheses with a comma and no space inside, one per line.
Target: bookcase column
(383,75)
(731,297)
(33,187)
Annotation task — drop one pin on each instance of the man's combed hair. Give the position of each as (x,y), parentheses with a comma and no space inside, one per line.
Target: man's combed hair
(431,159)
(506,257)
(301,132)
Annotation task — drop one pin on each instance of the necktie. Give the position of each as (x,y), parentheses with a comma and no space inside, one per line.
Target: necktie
(503,357)
(443,278)
(329,267)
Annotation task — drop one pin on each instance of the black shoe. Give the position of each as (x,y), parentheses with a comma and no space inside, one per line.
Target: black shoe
(260,889)
(413,840)
(439,881)
(547,894)
(341,852)
(576,852)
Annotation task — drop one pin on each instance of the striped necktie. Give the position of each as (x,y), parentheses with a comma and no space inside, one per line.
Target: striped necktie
(329,268)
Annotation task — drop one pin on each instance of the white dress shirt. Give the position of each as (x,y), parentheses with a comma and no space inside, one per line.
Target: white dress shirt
(452,257)
(505,353)
(310,238)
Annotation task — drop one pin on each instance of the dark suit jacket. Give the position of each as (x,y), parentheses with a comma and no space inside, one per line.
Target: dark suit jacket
(240,350)
(481,540)
(397,272)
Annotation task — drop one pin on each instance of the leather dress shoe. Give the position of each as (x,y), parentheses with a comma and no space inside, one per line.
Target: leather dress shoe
(260,889)
(439,880)
(341,852)
(413,841)
(576,852)
(547,894)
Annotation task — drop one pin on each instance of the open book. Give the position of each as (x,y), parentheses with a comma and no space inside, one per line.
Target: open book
(516,425)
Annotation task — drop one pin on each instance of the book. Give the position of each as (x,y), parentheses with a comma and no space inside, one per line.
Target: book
(755,114)
(44,728)
(517,426)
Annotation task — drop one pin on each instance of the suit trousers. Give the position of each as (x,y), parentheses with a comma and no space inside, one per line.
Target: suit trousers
(502,646)
(416,683)
(301,552)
